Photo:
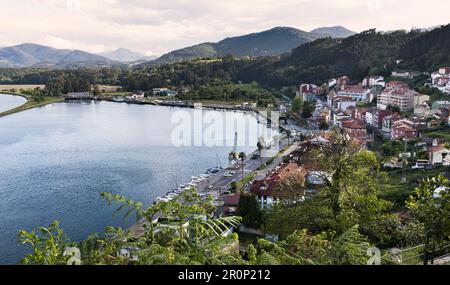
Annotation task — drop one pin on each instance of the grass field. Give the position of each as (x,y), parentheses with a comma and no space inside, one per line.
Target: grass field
(32,104)
(109,88)
(442,134)
(6,87)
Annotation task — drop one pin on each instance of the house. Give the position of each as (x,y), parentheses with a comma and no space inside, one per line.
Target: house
(342,82)
(355,129)
(164,92)
(444,70)
(359,114)
(405,74)
(268,190)
(373,81)
(305,89)
(324,116)
(139,96)
(439,155)
(423,110)
(331,84)
(341,103)
(369,117)
(378,117)
(420,99)
(389,121)
(230,203)
(441,79)
(403,129)
(403,132)
(309,97)
(356,92)
(338,117)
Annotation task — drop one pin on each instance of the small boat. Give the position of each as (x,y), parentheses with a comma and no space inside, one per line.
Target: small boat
(118,100)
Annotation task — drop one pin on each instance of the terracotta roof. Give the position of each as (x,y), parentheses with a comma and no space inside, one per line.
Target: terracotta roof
(231,200)
(397,84)
(354,89)
(436,149)
(352,124)
(403,128)
(271,183)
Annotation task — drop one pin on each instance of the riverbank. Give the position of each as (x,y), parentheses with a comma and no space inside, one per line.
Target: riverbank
(30,104)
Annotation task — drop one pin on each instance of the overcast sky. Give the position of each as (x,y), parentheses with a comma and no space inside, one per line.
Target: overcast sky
(159,26)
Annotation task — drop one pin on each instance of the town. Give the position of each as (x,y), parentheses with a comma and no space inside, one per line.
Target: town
(239,133)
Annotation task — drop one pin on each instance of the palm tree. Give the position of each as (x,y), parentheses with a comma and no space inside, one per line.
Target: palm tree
(260,149)
(242,157)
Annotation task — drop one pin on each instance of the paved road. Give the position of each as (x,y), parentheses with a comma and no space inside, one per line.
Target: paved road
(220,183)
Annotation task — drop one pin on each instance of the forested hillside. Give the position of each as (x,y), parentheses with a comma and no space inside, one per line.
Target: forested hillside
(360,55)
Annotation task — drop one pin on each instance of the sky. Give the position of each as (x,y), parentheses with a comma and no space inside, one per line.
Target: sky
(155,27)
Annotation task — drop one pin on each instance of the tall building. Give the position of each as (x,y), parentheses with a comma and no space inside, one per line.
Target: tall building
(400,95)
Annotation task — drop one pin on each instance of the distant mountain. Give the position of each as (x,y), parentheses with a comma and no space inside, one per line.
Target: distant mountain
(334,32)
(197,51)
(126,55)
(272,42)
(32,55)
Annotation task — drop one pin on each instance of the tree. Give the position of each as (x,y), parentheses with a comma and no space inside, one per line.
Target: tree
(297,105)
(431,206)
(234,187)
(48,245)
(323,126)
(352,177)
(96,90)
(304,248)
(242,157)
(395,109)
(250,211)
(307,110)
(349,195)
(184,232)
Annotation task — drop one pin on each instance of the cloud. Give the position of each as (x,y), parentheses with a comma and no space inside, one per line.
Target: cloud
(159,26)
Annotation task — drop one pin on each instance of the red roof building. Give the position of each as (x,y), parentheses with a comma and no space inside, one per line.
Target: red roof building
(231,203)
(269,187)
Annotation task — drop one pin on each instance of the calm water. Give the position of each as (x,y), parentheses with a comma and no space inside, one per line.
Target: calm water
(56,160)
(8,102)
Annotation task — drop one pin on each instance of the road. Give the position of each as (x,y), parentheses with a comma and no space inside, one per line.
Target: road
(218,183)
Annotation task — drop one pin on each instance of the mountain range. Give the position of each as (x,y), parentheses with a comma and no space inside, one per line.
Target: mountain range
(127,56)
(33,55)
(272,42)
(367,53)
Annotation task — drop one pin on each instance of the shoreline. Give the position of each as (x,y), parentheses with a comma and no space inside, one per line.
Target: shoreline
(28,105)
